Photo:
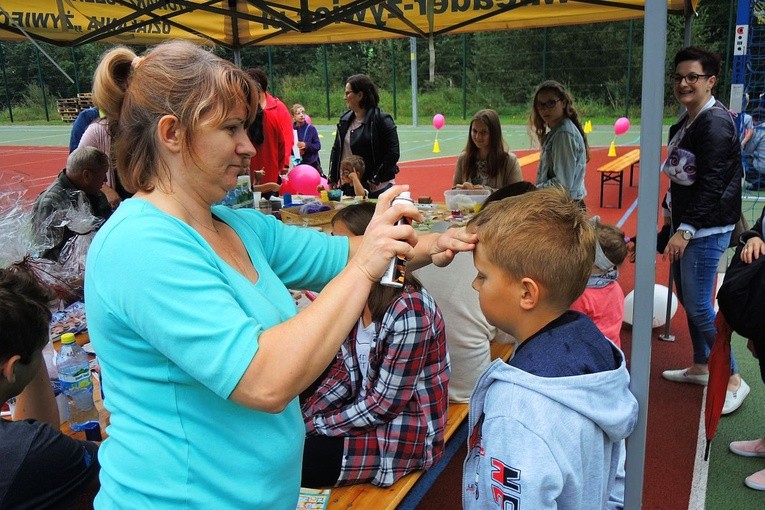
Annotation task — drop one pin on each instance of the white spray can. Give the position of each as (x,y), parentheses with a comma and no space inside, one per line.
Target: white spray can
(394,276)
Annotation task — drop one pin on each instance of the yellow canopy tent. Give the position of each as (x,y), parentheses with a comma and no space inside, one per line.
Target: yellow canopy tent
(240,23)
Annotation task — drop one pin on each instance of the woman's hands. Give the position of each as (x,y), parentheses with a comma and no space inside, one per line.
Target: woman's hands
(468,185)
(675,247)
(445,246)
(383,239)
(753,248)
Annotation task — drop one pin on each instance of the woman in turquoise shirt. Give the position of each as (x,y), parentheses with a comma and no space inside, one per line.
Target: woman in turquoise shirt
(201,348)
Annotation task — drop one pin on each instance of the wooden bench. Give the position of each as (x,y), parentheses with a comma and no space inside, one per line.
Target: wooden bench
(613,171)
(529,158)
(409,490)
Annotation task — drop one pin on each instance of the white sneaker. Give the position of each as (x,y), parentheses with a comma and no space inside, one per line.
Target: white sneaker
(682,376)
(734,399)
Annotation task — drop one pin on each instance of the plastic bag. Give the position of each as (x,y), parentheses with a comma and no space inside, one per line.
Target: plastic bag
(24,239)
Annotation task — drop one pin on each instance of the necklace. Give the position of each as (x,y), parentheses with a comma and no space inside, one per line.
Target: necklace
(211,229)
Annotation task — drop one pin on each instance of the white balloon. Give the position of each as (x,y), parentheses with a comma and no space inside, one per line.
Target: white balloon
(660,293)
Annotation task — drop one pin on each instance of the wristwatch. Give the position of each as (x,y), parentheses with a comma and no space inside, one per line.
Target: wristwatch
(687,234)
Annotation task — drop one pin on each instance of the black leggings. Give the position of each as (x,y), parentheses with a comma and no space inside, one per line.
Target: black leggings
(322,460)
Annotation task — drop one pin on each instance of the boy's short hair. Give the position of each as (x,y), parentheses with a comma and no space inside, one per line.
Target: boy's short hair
(544,235)
(24,315)
(295,108)
(356,162)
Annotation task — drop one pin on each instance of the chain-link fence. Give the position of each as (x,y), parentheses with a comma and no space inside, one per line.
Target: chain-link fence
(600,63)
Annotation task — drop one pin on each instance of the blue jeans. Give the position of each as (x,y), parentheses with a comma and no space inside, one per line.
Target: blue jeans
(694,276)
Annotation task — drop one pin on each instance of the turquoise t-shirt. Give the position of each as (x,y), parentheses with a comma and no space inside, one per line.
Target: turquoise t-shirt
(175,327)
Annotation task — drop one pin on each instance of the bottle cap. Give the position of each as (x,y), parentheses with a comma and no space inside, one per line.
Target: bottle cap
(67,338)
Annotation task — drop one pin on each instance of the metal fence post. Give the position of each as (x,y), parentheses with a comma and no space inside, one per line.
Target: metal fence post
(413,68)
(42,83)
(326,78)
(5,83)
(393,73)
(464,77)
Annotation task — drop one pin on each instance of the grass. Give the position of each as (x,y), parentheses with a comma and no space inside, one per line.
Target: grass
(447,101)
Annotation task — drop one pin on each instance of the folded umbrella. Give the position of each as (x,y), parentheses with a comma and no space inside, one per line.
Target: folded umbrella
(719,374)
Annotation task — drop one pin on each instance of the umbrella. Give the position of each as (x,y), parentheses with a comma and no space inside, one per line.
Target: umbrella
(719,373)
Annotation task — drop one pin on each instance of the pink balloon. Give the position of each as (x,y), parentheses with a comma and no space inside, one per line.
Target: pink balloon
(324,182)
(304,179)
(622,125)
(307,119)
(438,121)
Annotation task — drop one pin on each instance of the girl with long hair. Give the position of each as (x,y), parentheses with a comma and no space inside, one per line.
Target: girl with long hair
(486,162)
(555,123)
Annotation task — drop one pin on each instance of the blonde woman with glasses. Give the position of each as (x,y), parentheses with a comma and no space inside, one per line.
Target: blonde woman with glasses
(555,123)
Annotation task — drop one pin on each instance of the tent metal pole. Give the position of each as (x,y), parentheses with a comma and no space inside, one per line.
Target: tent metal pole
(31,39)
(652,110)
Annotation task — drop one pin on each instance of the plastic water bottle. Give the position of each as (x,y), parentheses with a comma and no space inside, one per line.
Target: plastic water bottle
(74,375)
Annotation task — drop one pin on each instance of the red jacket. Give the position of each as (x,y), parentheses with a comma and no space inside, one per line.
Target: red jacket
(274,153)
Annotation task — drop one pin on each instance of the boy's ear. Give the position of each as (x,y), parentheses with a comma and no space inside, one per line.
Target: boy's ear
(530,292)
(8,368)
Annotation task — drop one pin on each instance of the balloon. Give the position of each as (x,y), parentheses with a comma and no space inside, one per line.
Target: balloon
(622,125)
(660,293)
(301,180)
(324,183)
(438,121)
(287,187)
(307,118)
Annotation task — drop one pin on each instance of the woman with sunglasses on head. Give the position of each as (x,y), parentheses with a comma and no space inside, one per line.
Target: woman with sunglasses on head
(564,149)
(486,162)
(702,206)
(365,130)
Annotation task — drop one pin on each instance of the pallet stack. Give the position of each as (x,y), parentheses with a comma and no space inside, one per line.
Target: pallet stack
(70,107)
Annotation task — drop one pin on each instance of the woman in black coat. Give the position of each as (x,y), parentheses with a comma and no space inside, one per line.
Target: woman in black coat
(703,204)
(365,130)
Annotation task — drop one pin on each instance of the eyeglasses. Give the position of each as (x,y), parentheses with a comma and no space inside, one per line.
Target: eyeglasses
(547,104)
(689,78)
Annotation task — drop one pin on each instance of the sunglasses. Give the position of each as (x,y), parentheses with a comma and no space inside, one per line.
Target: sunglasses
(689,78)
(548,104)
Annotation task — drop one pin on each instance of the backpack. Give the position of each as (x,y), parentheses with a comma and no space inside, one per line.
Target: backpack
(742,296)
